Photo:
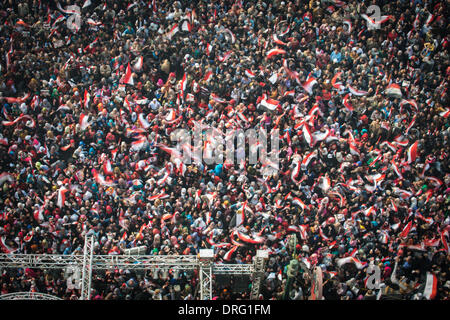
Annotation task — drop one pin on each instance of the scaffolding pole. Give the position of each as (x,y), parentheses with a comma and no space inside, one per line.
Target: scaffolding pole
(258,273)
(205,263)
(86,280)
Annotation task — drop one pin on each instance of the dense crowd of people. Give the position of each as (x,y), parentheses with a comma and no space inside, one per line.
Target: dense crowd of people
(89,108)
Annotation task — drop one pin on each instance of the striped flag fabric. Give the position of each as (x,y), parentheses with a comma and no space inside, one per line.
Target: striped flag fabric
(309,84)
(273,52)
(357,92)
(412,152)
(127,77)
(393,90)
(139,64)
(172,31)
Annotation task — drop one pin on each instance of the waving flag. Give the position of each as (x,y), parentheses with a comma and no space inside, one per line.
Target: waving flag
(249,73)
(84,121)
(298,202)
(309,84)
(229,254)
(337,85)
(376,24)
(138,144)
(172,31)
(186,26)
(139,63)
(107,168)
(412,152)
(208,49)
(225,56)
(356,262)
(394,90)
(270,104)
(274,52)
(128,78)
(101,180)
(143,122)
(5,247)
(278,41)
(308,158)
(346,103)
(357,92)
(307,135)
(61,196)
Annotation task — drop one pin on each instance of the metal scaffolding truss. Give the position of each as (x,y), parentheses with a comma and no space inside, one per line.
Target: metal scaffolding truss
(233,269)
(88,262)
(28,296)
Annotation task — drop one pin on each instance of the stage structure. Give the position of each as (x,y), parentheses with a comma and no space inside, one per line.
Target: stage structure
(87,262)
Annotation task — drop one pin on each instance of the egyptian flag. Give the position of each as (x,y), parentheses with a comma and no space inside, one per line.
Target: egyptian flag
(394,90)
(412,152)
(396,170)
(429,19)
(61,196)
(107,168)
(91,45)
(127,78)
(357,92)
(240,217)
(225,56)
(409,101)
(172,31)
(138,144)
(376,24)
(346,103)
(295,171)
(309,84)
(307,159)
(298,202)
(58,20)
(84,121)
(445,113)
(143,122)
(353,149)
(444,241)
(274,52)
(285,31)
(208,49)
(93,23)
(139,63)
(406,230)
(87,99)
(249,73)
(430,286)
(356,262)
(278,41)
(183,85)
(270,104)
(337,85)
(348,23)
(21,118)
(247,239)
(101,180)
(186,26)
(5,248)
(229,254)
(325,184)
(307,135)
(38,216)
(231,35)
